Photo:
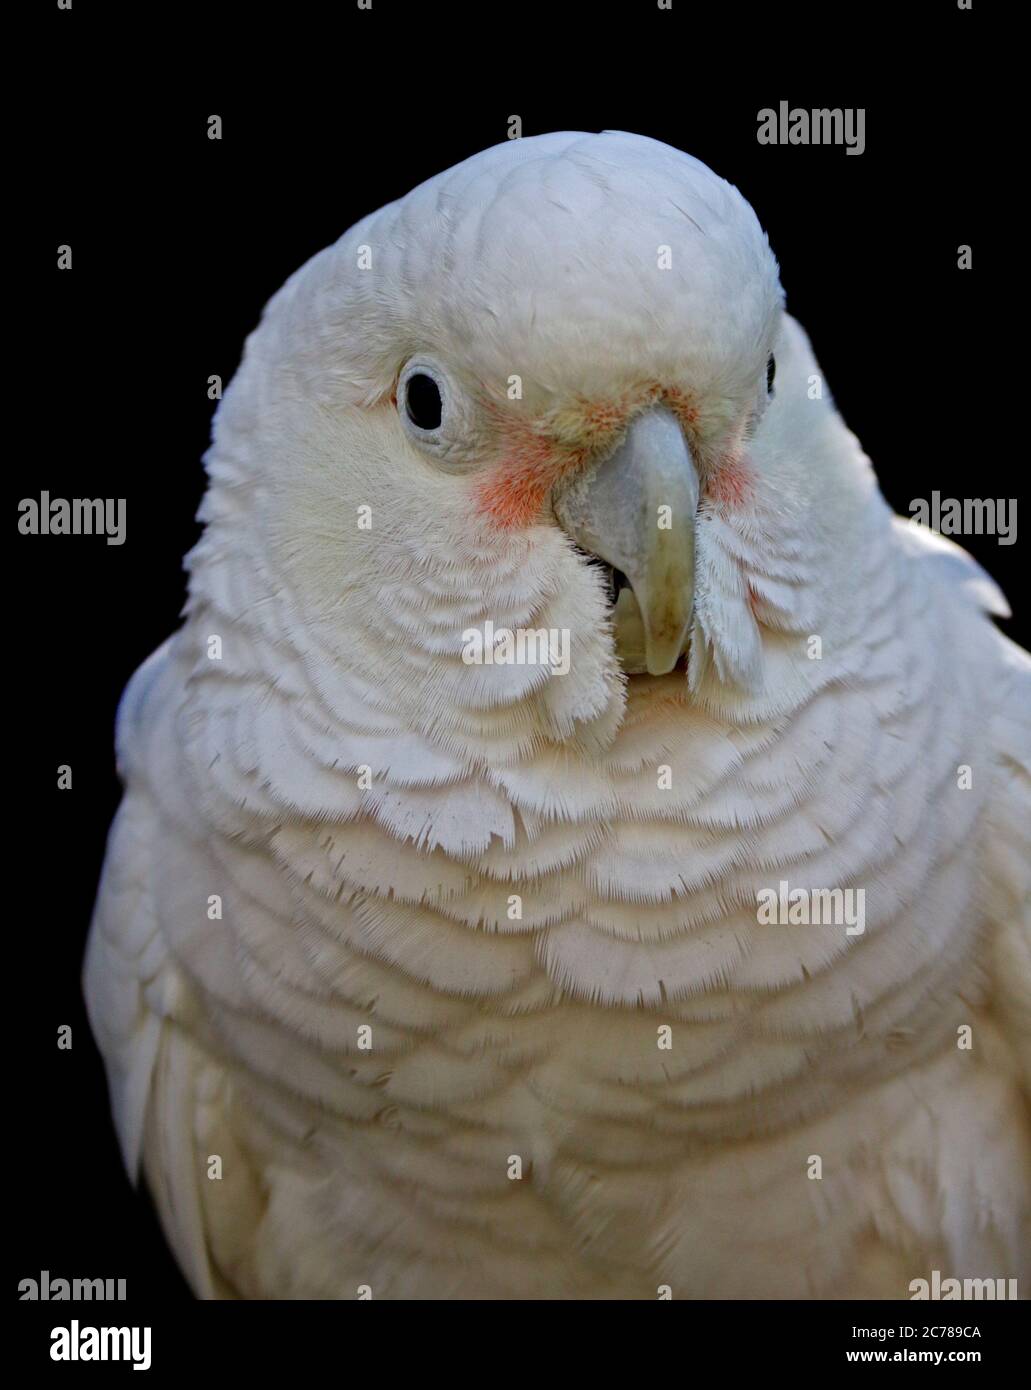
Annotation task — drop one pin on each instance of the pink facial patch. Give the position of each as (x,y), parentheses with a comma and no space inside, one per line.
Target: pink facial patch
(514,493)
(731,483)
(535,455)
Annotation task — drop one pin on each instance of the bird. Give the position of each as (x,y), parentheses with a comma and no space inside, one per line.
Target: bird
(432,968)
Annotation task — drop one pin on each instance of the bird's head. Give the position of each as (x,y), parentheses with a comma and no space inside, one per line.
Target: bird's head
(515,395)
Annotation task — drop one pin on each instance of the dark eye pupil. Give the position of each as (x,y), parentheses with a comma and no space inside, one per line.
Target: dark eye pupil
(771,372)
(422,401)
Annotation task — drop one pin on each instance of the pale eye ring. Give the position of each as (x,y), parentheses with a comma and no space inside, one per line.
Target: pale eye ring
(424,399)
(437,413)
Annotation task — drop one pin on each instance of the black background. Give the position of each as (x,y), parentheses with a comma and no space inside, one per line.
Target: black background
(178,241)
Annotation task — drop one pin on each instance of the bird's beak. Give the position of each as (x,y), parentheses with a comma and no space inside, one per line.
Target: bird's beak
(636,511)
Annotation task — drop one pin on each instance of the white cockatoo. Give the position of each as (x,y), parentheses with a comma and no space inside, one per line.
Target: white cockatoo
(426,974)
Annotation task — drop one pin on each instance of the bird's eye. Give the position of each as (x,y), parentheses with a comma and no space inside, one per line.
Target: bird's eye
(771,372)
(424,405)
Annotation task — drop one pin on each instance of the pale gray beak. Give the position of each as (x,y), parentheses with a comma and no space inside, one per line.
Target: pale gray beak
(636,511)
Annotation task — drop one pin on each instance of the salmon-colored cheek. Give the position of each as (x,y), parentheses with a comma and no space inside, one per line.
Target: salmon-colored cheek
(516,488)
(731,483)
(512,500)
(515,491)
